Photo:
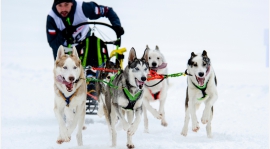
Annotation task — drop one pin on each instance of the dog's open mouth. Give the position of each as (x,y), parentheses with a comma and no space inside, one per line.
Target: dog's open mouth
(69,85)
(139,83)
(200,80)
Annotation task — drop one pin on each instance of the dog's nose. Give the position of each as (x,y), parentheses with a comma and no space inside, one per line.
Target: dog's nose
(108,77)
(154,64)
(71,79)
(201,74)
(143,78)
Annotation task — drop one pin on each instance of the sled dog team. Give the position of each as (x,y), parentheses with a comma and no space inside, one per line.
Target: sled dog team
(131,94)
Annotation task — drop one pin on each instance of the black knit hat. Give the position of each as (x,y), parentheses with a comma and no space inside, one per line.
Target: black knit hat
(56,2)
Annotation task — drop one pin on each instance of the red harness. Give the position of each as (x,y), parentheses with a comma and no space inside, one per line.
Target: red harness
(156,95)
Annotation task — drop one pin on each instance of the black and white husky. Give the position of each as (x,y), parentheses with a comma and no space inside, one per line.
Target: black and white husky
(202,84)
(126,96)
(156,90)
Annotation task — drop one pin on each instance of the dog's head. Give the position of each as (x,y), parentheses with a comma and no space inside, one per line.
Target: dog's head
(67,68)
(112,66)
(156,59)
(137,68)
(199,67)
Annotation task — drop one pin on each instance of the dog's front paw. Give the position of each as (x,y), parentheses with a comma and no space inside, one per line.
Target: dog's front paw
(126,126)
(157,115)
(195,127)
(132,130)
(130,145)
(164,123)
(60,139)
(205,118)
(184,132)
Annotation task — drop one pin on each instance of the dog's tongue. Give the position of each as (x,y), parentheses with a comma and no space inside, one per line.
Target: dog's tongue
(200,81)
(60,79)
(163,65)
(140,84)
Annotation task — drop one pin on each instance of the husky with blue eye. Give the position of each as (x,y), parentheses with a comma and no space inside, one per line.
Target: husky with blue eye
(70,94)
(202,88)
(125,97)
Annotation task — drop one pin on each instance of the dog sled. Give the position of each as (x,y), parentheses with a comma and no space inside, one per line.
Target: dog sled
(99,44)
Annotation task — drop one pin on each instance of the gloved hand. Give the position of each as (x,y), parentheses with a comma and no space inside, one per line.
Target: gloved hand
(67,33)
(119,30)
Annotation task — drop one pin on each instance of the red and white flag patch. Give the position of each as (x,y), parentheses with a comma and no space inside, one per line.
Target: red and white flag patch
(51,31)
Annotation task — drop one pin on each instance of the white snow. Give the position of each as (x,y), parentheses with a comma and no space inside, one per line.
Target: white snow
(231,31)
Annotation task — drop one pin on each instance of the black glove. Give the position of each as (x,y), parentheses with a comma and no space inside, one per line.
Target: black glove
(67,33)
(118,30)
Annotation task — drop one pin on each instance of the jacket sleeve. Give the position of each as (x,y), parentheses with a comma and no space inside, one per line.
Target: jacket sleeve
(54,35)
(94,11)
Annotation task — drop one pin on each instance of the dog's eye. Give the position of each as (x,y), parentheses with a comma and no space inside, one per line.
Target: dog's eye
(195,65)
(136,68)
(65,67)
(204,63)
(158,58)
(74,67)
(145,69)
(149,57)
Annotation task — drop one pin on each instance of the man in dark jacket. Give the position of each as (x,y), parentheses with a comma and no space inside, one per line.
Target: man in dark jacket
(68,13)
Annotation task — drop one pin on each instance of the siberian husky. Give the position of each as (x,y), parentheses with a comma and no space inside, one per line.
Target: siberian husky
(101,86)
(126,96)
(202,84)
(70,94)
(155,90)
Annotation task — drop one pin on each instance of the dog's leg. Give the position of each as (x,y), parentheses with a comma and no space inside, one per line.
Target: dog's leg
(112,124)
(185,127)
(134,126)
(100,112)
(121,117)
(162,111)
(145,119)
(207,110)
(79,116)
(130,117)
(208,126)
(80,127)
(192,111)
(63,131)
(155,113)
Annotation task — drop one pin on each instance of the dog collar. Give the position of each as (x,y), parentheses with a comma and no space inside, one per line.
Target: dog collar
(202,88)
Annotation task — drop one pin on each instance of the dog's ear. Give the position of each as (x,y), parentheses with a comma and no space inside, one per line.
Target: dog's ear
(132,55)
(145,54)
(147,47)
(193,54)
(117,63)
(74,52)
(204,53)
(60,52)
(157,48)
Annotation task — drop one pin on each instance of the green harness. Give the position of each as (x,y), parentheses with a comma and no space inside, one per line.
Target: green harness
(202,88)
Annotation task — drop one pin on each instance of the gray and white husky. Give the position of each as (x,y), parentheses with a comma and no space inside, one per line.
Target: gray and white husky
(202,84)
(126,96)
(156,90)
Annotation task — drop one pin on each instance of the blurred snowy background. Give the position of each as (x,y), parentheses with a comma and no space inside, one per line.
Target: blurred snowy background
(234,33)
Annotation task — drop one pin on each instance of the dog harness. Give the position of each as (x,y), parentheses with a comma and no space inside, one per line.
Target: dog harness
(202,88)
(156,95)
(131,99)
(68,99)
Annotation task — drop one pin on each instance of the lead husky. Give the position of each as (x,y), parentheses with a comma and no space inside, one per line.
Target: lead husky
(70,94)
(154,90)
(126,96)
(201,88)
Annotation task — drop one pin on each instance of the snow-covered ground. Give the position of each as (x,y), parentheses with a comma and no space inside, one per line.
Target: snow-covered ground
(232,32)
